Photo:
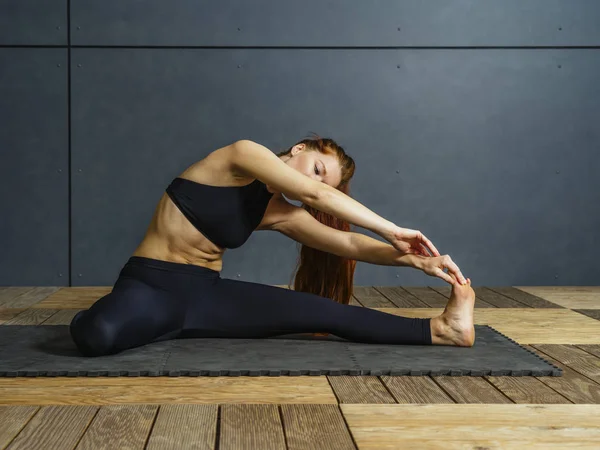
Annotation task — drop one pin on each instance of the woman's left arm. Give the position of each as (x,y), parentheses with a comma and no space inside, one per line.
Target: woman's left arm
(365,248)
(299,225)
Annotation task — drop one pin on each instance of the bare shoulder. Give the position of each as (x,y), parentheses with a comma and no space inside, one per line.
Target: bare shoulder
(226,155)
(232,153)
(217,168)
(259,162)
(227,158)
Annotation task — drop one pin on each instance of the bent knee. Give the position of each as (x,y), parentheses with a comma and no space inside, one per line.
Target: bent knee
(93,336)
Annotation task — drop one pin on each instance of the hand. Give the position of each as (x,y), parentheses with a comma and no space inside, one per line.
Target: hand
(411,241)
(435,267)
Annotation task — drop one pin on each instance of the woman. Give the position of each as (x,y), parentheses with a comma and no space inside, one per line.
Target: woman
(171,286)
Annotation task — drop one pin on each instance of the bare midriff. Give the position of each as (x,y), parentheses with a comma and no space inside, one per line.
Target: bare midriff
(171,237)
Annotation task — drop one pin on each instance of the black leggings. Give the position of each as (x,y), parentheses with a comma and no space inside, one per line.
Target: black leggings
(154,300)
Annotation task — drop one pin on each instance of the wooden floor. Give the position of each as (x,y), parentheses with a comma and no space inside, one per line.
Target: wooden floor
(562,324)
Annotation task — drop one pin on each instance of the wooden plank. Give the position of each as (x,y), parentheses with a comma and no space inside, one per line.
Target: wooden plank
(12,420)
(479,302)
(360,389)
(30,297)
(55,427)
(9,293)
(571,385)
(251,426)
(545,326)
(445,290)
(478,443)
(498,300)
(577,359)
(593,313)
(31,316)
(428,296)
(164,390)
(401,298)
(119,426)
(409,389)
(592,349)
(371,298)
(354,302)
(473,426)
(184,426)
(470,389)
(526,390)
(74,297)
(580,297)
(61,317)
(524,297)
(527,325)
(315,426)
(9,313)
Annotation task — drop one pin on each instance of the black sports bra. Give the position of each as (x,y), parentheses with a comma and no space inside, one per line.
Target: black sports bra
(227,215)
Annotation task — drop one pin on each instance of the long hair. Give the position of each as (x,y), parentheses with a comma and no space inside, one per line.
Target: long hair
(319,272)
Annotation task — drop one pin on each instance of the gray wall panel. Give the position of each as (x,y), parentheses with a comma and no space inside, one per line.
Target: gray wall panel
(336,23)
(492,153)
(464,145)
(33,22)
(34,147)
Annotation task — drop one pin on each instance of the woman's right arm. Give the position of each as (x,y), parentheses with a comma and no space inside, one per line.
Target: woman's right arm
(259,162)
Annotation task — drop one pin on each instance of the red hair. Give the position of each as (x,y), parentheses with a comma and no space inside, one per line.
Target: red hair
(319,272)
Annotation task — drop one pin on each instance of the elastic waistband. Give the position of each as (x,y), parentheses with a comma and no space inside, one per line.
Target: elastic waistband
(172,266)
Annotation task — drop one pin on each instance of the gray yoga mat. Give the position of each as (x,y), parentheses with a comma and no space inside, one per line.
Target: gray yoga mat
(40,351)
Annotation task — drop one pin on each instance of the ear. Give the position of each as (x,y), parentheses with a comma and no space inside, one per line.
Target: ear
(297,148)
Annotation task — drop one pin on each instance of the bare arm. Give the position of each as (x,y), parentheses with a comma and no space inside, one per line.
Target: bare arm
(340,205)
(259,162)
(299,225)
(372,251)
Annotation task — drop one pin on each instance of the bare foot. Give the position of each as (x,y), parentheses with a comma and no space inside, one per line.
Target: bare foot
(455,325)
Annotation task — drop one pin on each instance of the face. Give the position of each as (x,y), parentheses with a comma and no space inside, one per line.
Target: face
(321,167)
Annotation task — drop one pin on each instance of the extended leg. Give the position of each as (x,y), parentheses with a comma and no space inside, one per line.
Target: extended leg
(233,308)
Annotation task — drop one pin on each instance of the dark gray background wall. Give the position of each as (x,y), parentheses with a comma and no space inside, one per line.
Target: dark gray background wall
(477,122)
